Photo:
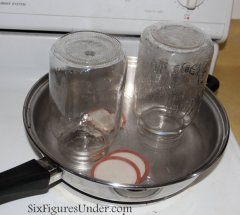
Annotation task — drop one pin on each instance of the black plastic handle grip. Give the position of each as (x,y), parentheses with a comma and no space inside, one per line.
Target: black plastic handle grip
(24,180)
(213,83)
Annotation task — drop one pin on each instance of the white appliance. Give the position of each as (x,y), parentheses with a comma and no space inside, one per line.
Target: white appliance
(30,27)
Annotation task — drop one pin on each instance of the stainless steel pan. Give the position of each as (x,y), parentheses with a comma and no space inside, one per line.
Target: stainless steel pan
(173,167)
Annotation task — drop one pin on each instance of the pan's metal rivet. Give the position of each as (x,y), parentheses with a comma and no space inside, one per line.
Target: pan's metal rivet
(54,171)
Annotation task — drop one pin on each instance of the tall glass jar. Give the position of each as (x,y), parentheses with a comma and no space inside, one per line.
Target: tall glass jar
(171,75)
(86,83)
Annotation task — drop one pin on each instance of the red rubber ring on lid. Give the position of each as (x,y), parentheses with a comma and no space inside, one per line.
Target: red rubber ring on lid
(138,174)
(147,168)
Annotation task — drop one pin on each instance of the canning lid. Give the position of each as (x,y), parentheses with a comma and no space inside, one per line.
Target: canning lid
(88,49)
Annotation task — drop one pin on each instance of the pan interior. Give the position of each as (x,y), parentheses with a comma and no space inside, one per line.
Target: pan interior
(199,146)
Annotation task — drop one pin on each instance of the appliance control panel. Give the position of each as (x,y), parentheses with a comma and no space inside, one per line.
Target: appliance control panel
(114,16)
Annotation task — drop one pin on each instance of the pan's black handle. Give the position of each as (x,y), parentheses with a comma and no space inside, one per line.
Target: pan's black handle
(213,83)
(27,179)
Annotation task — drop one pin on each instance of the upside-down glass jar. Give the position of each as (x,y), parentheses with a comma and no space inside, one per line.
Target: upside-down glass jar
(86,83)
(171,75)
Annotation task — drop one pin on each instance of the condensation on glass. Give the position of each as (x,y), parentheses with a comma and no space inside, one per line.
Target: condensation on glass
(172,70)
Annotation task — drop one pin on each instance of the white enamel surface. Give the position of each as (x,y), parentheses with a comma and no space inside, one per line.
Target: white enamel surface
(118,16)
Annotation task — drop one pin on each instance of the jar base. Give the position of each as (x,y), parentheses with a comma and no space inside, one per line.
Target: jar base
(82,146)
(158,124)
